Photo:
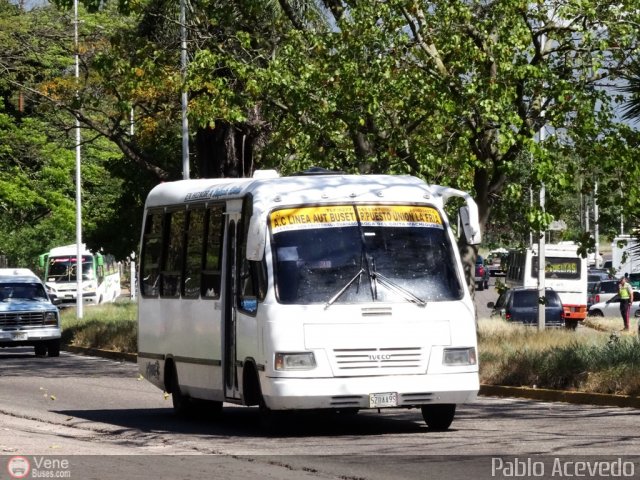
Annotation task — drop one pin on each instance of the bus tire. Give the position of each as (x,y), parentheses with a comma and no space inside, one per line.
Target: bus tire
(181,402)
(571,324)
(438,416)
(53,347)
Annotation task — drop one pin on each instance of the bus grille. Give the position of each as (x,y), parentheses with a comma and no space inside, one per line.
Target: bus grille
(378,358)
(21,319)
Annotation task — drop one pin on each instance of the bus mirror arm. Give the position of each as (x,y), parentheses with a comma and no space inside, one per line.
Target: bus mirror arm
(468,214)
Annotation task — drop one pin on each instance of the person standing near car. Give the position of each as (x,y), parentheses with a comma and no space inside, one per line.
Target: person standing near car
(626,297)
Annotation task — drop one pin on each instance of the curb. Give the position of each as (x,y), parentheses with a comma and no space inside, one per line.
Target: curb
(541,394)
(96,352)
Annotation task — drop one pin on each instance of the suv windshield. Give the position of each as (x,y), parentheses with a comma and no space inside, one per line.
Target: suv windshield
(359,254)
(22,291)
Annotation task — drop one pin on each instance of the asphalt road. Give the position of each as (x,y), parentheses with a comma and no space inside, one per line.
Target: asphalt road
(87,406)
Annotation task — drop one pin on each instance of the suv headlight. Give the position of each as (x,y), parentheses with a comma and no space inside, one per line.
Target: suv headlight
(50,318)
(459,356)
(295,361)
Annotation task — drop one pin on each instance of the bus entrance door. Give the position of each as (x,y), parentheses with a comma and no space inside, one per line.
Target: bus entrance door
(229,363)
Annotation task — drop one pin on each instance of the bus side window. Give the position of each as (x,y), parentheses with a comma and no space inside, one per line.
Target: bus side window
(193,260)
(172,268)
(213,233)
(151,250)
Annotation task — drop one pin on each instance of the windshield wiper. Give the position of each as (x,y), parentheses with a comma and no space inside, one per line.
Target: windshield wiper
(403,292)
(333,299)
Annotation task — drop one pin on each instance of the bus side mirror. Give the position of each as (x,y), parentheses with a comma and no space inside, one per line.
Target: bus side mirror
(468,217)
(41,260)
(256,238)
(100,260)
(470,224)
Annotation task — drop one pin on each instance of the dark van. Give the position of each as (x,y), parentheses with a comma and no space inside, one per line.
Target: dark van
(520,305)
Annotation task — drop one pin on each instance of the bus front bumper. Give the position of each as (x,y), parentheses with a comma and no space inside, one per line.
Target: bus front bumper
(364,392)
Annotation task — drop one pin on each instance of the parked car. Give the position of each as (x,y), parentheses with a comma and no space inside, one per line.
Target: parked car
(521,305)
(602,291)
(482,274)
(611,308)
(27,315)
(497,262)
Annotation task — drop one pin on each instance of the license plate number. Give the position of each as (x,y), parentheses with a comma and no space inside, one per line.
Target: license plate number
(378,400)
(19,336)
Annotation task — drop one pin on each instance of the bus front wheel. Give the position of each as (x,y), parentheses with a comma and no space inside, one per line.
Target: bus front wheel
(438,416)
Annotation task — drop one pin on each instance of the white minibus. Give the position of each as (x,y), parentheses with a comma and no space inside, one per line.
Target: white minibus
(100,275)
(313,291)
(565,272)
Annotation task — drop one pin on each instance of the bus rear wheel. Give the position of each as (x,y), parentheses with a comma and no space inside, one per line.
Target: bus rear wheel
(571,324)
(439,416)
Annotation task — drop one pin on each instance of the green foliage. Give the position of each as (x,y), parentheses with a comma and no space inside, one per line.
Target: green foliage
(587,361)
(109,327)
(455,92)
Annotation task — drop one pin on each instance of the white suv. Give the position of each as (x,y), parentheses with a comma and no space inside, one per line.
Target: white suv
(27,315)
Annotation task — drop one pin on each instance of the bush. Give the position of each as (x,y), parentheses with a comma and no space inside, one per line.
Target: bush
(110,326)
(587,360)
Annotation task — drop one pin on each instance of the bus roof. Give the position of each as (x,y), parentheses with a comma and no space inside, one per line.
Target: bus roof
(298,189)
(270,190)
(67,250)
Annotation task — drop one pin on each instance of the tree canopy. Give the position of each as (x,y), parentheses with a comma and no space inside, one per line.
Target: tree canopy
(492,97)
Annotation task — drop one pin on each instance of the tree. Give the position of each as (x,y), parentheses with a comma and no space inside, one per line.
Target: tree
(37,160)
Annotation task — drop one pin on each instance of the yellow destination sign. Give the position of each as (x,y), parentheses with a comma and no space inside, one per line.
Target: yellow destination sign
(345,215)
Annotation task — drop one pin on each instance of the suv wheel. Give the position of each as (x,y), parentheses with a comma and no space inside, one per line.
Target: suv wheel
(53,347)
(40,349)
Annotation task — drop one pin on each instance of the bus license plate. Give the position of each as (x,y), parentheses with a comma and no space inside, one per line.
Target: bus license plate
(378,400)
(19,336)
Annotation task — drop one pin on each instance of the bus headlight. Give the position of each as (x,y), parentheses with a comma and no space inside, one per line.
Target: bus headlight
(459,356)
(295,361)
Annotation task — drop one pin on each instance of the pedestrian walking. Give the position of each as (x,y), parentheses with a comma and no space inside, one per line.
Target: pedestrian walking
(626,297)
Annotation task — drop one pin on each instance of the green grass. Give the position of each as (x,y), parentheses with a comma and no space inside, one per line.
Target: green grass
(589,360)
(111,326)
(596,359)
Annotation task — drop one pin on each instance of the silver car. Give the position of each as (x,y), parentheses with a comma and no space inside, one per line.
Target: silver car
(611,307)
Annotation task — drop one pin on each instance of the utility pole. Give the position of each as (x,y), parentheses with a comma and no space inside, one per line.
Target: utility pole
(185,98)
(596,227)
(79,299)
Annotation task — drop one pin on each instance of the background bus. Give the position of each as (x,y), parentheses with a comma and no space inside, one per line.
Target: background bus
(333,292)
(565,272)
(100,275)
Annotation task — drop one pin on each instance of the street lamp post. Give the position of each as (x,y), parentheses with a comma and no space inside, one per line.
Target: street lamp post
(79,299)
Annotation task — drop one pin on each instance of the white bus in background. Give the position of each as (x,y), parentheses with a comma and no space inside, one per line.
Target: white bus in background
(625,255)
(100,275)
(565,272)
(323,291)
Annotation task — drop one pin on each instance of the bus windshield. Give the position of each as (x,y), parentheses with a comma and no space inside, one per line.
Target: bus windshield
(63,269)
(361,254)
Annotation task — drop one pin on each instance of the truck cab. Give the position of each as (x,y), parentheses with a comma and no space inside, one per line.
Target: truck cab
(28,317)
